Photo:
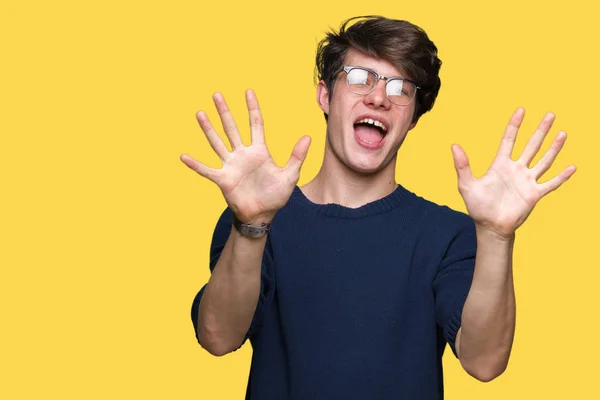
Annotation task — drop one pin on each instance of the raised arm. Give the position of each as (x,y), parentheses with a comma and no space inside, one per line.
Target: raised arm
(500,202)
(254,188)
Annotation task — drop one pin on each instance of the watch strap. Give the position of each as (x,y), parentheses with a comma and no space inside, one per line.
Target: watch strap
(252,231)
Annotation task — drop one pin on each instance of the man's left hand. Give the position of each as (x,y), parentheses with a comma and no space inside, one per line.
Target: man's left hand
(503,198)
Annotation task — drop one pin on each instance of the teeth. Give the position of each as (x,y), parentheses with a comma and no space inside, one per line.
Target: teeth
(372,122)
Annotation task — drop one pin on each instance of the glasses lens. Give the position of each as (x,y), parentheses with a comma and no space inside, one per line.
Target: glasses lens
(360,81)
(400,92)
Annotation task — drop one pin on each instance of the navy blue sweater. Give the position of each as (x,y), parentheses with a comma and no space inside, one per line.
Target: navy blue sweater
(357,303)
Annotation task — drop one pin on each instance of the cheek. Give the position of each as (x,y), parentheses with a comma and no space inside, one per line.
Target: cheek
(336,115)
(342,110)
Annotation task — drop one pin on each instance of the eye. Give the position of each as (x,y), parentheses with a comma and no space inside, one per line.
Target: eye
(396,87)
(359,77)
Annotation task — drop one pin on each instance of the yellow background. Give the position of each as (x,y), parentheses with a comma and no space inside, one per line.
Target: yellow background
(105,234)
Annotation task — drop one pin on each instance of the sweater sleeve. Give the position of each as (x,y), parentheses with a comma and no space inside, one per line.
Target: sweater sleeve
(454,277)
(220,236)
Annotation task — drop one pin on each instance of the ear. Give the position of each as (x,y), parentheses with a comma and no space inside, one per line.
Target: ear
(323,97)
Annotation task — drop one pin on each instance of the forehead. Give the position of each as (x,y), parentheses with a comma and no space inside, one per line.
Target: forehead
(382,67)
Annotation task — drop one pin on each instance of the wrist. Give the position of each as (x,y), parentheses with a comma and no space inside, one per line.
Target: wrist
(490,233)
(255,229)
(251,218)
(259,219)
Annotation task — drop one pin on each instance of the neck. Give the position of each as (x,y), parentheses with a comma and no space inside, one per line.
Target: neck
(338,184)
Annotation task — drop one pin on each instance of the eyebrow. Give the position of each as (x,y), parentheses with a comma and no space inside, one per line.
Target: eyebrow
(382,76)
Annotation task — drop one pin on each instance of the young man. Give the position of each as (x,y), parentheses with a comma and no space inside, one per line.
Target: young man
(351,286)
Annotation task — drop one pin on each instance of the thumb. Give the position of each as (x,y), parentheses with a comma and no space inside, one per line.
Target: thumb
(298,154)
(461,164)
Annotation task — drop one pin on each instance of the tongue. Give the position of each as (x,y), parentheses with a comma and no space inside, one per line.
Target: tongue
(368,134)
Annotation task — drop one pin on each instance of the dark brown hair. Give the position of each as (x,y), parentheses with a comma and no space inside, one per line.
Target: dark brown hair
(404,45)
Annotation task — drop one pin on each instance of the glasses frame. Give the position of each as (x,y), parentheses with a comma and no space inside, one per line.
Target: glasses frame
(348,68)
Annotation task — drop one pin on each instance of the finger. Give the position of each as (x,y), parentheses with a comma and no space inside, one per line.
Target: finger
(201,169)
(558,180)
(546,161)
(213,137)
(256,122)
(227,121)
(510,133)
(535,142)
(298,155)
(461,164)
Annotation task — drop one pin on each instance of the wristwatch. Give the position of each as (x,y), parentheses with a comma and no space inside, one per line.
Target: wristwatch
(251,231)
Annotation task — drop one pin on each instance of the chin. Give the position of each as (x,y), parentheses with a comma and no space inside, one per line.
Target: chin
(366,167)
(357,159)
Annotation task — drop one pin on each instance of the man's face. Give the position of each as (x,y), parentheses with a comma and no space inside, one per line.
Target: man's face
(351,138)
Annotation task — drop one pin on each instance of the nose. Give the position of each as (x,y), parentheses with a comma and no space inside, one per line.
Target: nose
(378,97)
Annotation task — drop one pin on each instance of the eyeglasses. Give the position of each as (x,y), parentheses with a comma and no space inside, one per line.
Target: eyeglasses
(363,81)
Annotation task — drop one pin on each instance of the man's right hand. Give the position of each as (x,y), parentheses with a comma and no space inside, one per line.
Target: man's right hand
(254,186)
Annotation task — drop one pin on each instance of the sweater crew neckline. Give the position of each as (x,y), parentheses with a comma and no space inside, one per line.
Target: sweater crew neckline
(395,199)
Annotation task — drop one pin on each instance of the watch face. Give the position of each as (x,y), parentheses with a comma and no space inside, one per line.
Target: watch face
(254,231)
(250,230)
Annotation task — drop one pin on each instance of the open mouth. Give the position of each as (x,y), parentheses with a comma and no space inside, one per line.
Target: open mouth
(370,131)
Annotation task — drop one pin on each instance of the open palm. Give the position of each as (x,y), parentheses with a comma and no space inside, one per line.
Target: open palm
(503,198)
(254,186)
